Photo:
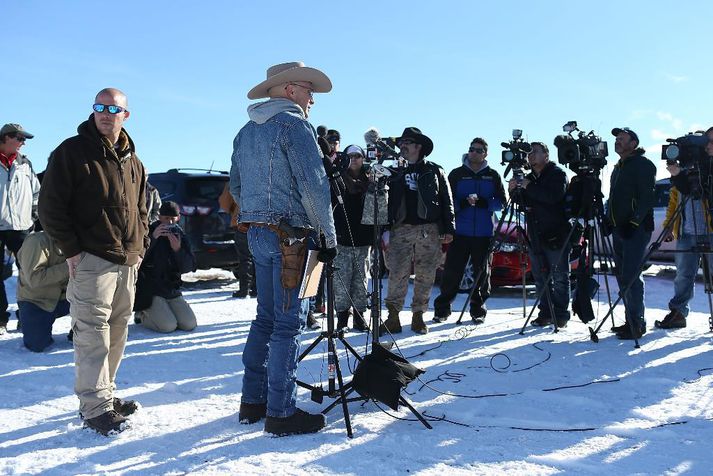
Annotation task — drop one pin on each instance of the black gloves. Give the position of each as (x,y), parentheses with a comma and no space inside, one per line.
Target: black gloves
(326,255)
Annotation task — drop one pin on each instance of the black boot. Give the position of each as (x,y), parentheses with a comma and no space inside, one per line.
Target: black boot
(244,287)
(298,423)
(108,423)
(342,319)
(359,322)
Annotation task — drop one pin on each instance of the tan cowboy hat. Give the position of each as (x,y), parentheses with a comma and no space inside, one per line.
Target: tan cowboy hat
(288,72)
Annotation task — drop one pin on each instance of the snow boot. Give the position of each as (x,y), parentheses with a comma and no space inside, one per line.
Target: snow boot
(108,423)
(125,407)
(417,324)
(673,320)
(298,423)
(342,319)
(392,324)
(250,413)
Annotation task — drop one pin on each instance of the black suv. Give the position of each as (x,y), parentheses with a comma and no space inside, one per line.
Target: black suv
(207,226)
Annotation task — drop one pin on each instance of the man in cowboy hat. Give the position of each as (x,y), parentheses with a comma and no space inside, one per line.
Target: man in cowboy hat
(422,218)
(278,178)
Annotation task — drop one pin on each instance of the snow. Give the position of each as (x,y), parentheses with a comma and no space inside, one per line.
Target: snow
(559,402)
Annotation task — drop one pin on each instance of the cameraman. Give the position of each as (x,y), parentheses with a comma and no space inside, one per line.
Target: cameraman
(159,304)
(692,227)
(542,193)
(477,193)
(630,213)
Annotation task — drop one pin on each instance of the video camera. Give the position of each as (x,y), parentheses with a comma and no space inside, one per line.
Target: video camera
(686,151)
(515,155)
(586,153)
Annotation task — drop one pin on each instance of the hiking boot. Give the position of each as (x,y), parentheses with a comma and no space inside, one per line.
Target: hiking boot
(359,322)
(673,320)
(312,322)
(618,329)
(639,331)
(417,324)
(342,319)
(108,423)
(251,412)
(298,423)
(542,321)
(478,311)
(125,407)
(441,316)
(392,324)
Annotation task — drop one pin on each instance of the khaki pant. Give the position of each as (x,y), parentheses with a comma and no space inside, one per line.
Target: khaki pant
(167,315)
(101,297)
(422,244)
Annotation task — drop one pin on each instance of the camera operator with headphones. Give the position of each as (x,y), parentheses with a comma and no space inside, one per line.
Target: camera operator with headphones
(692,227)
(542,193)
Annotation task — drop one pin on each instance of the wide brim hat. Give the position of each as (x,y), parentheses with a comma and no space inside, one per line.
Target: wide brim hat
(415,134)
(289,72)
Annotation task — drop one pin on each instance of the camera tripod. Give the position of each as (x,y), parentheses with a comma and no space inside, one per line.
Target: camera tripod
(336,387)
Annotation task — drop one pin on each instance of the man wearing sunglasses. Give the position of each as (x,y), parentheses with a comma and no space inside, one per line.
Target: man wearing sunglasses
(19,190)
(421,216)
(278,178)
(93,205)
(477,194)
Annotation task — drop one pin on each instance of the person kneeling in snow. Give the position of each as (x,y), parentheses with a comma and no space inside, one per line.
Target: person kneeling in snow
(159,304)
(41,289)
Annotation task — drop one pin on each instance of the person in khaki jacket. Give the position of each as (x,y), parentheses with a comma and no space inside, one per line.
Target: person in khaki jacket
(41,288)
(93,205)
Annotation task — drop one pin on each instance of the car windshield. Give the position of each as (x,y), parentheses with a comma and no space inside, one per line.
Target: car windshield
(205,188)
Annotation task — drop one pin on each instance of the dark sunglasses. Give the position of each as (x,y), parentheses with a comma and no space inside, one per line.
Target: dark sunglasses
(331,139)
(479,150)
(20,137)
(405,142)
(111,108)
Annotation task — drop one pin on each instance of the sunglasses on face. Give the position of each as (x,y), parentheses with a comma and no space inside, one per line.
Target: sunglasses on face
(405,142)
(111,108)
(20,138)
(332,139)
(478,150)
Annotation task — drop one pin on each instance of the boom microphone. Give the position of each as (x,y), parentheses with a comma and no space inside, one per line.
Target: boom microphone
(372,136)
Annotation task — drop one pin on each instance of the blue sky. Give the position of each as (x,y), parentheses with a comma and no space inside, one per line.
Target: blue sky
(455,69)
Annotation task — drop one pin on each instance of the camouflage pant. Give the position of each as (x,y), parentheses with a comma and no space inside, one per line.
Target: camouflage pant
(420,242)
(350,278)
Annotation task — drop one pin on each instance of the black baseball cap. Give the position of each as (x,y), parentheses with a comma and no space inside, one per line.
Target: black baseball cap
(618,130)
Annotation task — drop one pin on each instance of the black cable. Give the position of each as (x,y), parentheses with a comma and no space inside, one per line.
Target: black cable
(700,375)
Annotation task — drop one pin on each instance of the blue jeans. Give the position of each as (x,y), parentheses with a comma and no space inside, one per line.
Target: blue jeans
(559,287)
(273,344)
(686,269)
(628,254)
(37,324)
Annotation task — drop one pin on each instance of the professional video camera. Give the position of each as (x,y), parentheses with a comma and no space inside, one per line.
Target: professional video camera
(687,150)
(380,148)
(584,154)
(515,155)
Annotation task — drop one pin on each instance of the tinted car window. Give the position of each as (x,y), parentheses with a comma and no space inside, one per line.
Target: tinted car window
(205,188)
(663,190)
(165,189)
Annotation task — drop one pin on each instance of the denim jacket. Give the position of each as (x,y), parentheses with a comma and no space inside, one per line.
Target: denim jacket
(277,170)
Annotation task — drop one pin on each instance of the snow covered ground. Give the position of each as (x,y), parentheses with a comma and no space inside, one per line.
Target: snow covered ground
(564,404)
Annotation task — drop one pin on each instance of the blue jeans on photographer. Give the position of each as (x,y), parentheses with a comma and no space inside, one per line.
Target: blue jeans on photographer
(542,263)
(37,323)
(686,269)
(628,255)
(273,345)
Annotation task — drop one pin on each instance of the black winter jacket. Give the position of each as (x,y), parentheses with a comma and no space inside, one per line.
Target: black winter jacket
(347,218)
(161,269)
(632,192)
(435,202)
(544,201)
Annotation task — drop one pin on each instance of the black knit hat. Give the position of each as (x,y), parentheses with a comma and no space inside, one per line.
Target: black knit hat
(169,209)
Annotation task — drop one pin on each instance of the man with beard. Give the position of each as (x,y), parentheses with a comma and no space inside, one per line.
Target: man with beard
(629,210)
(421,216)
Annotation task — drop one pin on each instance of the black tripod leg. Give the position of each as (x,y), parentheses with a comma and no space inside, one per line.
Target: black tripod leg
(406,403)
(708,288)
(343,398)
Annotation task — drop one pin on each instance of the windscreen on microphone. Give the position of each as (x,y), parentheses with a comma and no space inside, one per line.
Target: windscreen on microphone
(372,136)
